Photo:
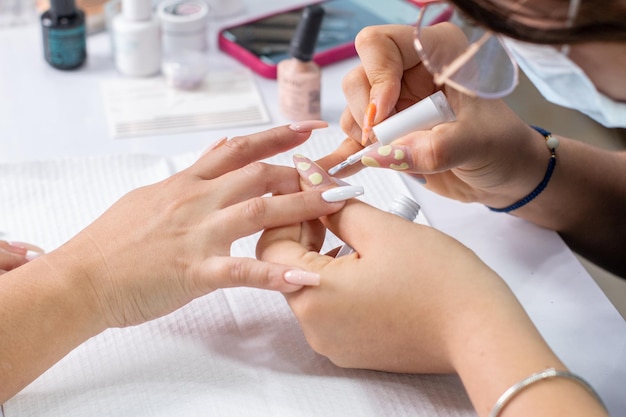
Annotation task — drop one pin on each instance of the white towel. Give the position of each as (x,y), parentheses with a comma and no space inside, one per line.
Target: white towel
(236,352)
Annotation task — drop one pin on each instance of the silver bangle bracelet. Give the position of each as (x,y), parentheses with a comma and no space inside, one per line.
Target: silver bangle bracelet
(548,373)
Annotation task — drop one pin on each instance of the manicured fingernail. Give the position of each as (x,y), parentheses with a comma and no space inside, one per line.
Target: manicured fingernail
(310,172)
(17,248)
(368,122)
(308,125)
(32,255)
(21,248)
(342,193)
(388,156)
(299,277)
(339,181)
(215,145)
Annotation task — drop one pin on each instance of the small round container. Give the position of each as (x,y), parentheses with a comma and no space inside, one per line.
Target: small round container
(185,70)
(183,25)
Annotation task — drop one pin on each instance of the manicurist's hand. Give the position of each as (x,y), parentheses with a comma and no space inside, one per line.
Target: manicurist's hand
(413,300)
(155,250)
(488,155)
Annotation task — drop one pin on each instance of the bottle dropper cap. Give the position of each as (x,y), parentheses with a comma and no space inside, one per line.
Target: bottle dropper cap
(303,42)
(405,207)
(63,7)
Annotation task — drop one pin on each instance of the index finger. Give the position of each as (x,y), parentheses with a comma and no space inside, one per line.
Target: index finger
(243,150)
(385,51)
(259,213)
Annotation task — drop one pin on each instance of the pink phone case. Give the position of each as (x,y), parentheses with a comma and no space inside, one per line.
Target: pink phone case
(268,70)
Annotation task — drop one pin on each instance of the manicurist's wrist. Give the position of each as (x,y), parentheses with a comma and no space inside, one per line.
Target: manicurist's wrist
(524,168)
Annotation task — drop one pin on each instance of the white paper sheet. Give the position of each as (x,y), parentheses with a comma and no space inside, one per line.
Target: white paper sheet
(235,352)
(137,107)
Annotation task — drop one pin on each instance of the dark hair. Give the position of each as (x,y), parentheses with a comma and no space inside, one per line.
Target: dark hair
(595,20)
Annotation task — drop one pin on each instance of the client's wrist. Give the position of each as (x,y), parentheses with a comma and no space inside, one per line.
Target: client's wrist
(74,276)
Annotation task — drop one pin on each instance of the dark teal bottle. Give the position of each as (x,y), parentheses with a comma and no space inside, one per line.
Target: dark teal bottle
(64,35)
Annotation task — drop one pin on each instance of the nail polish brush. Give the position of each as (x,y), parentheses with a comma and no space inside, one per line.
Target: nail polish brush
(423,115)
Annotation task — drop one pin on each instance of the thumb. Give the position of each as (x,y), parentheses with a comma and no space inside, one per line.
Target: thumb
(228,272)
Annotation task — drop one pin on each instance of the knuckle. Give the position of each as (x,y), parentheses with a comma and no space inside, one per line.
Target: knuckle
(256,170)
(275,134)
(433,157)
(255,210)
(265,281)
(244,274)
(352,78)
(237,273)
(350,127)
(365,37)
(237,145)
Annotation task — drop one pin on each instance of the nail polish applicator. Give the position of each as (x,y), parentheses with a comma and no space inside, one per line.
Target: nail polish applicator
(423,115)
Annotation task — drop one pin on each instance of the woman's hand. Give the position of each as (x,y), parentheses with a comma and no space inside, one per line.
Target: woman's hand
(413,300)
(163,245)
(487,155)
(155,250)
(404,301)
(14,254)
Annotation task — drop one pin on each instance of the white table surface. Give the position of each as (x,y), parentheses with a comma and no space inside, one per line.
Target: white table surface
(46,113)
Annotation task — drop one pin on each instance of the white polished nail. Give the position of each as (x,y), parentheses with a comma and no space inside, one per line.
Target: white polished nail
(30,255)
(342,193)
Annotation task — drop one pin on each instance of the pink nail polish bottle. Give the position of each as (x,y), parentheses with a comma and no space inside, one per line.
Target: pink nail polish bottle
(299,78)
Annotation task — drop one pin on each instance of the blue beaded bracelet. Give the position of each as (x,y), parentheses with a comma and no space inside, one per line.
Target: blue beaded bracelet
(552,143)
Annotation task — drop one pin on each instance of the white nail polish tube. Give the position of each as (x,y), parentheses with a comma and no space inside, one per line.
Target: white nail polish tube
(423,115)
(342,193)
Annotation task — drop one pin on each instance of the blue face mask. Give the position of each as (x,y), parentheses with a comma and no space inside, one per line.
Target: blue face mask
(562,82)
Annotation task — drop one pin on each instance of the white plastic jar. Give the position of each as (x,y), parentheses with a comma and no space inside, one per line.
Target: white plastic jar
(183,25)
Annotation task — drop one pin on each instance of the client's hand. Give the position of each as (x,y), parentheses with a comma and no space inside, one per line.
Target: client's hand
(155,250)
(163,245)
(14,254)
